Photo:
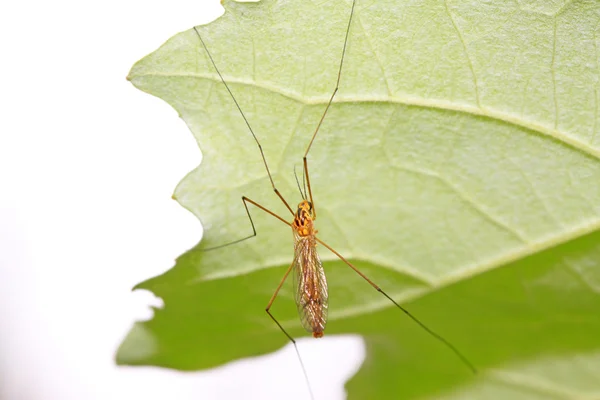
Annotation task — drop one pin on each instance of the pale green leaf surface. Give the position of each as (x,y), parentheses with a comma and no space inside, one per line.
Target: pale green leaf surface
(458,168)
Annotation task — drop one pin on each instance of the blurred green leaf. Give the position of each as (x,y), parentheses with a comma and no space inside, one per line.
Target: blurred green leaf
(458,168)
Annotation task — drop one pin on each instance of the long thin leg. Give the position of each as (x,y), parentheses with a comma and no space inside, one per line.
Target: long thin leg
(432,333)
(268,308)
(337,86)
(273,299)
(284,331)
(245,120)
(244,200)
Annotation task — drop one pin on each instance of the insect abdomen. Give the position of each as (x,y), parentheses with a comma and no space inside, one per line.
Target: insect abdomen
(312,298)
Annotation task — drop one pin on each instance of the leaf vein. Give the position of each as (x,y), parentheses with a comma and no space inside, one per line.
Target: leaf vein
(464,196)
(553,72)
(490,113)
(531,384)
(464,45)
(535,192)
(368,39)
(525,251)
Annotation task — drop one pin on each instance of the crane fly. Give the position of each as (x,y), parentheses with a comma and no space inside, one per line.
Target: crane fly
(312,299)
(311,295)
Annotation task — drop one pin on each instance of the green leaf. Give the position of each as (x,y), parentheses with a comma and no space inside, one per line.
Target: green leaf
(458,168)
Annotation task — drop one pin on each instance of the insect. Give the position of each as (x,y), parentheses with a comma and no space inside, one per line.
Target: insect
(311,294)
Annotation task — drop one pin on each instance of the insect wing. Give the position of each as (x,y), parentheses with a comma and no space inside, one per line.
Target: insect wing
(311,286)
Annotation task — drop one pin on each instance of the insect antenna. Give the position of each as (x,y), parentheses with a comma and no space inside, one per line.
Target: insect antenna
(298,183)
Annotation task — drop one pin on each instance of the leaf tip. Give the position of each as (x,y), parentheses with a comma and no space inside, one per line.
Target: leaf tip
(138,347)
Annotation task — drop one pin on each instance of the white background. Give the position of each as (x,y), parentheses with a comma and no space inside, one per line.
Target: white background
(87,167)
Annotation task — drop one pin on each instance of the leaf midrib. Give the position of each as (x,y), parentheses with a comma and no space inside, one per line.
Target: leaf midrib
(412,101)
(465,273)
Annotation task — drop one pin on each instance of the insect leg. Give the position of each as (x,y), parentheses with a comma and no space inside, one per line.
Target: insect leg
(432,333)
(246,200)
(273,299)
(337,86)
(268,310)
(262,154)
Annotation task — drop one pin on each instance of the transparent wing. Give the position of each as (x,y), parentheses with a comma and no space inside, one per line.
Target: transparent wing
(311,286)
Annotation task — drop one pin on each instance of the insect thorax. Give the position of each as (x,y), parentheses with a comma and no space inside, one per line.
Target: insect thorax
(303,220)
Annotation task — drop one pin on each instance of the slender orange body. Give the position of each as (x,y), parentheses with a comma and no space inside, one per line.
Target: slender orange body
(312,299)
